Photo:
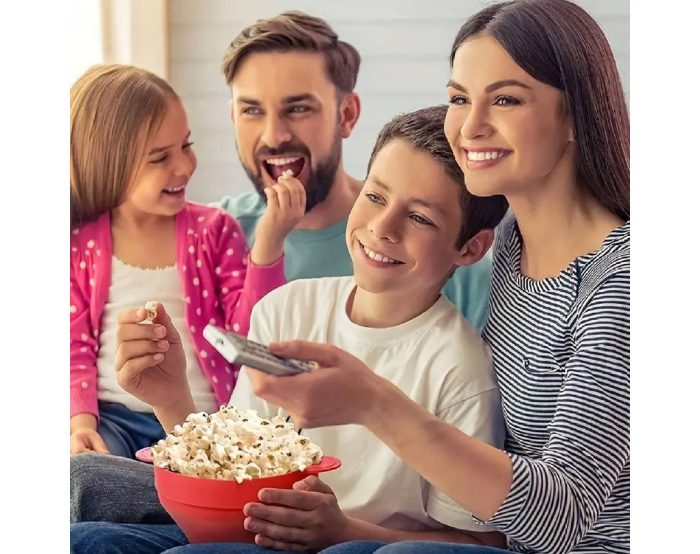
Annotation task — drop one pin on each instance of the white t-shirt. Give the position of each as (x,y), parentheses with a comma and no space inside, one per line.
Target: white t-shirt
(132,287)
(437,359)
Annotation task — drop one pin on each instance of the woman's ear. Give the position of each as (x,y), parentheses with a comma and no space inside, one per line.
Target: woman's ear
(475,248)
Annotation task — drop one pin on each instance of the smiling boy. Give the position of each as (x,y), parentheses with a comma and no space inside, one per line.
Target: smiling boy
(413,224)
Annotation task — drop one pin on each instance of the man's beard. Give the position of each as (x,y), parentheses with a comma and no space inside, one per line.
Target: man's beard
(320,179)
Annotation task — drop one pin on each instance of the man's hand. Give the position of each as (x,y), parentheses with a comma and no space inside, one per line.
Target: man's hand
(286,205)
(307,517)
(150,361)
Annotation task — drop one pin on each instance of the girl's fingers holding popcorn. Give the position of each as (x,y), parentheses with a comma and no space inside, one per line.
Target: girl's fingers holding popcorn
(135,315)
(130,371)
(136,331)
(137,349)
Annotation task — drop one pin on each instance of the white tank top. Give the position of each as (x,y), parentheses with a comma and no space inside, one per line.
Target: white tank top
(132,287)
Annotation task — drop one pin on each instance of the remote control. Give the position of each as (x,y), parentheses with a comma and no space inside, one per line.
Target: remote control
(237,349)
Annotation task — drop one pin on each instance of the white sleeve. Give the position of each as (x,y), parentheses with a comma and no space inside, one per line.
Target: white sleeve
(264,329)
(480,417)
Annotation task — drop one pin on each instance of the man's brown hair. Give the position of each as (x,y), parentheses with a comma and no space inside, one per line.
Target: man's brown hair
(296,31)
(423,130)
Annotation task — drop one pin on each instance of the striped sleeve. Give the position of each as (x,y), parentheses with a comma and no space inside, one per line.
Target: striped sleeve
(556,499)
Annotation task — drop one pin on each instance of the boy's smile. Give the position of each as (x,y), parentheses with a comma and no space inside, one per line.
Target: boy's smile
(403,227)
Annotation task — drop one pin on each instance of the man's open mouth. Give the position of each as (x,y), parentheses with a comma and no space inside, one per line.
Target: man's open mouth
(277,166)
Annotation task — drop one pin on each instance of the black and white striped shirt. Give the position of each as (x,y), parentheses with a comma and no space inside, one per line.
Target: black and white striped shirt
(561,354)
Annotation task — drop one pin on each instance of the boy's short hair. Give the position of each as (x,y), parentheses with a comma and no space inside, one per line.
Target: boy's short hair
(423,129)
(293,31)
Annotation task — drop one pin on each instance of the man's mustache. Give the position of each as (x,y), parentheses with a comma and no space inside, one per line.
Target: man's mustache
(285,148)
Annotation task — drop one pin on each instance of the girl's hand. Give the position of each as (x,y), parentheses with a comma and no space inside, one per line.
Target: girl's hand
(305,518)
(286,205)
(87,440)
(150,361)
(341,390)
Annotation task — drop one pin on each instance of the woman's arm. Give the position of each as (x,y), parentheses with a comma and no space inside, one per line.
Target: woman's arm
(363,530)
(547,503)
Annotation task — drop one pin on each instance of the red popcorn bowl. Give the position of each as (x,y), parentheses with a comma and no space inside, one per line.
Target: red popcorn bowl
(211,510)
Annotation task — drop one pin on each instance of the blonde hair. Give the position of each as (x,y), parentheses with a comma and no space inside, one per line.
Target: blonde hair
(115,110)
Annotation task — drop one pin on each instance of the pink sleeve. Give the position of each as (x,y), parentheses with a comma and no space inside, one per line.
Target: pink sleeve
(239,282)
(83,346)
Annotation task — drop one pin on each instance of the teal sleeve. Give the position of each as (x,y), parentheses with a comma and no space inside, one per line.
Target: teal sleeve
(468,289)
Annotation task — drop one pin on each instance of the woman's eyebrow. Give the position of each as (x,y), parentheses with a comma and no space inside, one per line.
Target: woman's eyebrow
(492,86)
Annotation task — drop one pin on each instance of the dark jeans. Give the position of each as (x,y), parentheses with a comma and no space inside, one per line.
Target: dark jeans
(407,547)
(100,537)
(111,538)
(114,489)
(125,431)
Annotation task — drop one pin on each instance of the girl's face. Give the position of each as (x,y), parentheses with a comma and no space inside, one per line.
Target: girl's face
(160,183)
(506,129)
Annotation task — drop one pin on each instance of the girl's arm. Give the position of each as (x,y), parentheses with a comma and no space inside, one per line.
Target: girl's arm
(83,345)
(548,504)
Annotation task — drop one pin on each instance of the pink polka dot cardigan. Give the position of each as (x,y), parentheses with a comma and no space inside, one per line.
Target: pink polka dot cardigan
(220,286)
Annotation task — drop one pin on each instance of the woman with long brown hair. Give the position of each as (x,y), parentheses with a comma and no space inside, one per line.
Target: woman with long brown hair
(537,114)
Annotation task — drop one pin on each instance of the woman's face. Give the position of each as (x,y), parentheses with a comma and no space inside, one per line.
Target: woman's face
(506,129)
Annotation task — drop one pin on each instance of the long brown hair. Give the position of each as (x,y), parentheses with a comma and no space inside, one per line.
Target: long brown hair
(114,112)
(559,43)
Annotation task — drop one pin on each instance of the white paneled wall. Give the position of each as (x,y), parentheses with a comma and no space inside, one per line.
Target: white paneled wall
(404,46)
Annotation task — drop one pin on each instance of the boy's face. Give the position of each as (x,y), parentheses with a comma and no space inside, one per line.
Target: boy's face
(286,115)
(402,230)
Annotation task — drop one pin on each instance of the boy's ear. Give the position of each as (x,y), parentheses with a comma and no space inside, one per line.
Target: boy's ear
(349,111)
(475,248)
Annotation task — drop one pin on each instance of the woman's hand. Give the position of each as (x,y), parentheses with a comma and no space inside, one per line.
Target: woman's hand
(84,436)
(286,205)
(150,360)
(341,390)
(306,517)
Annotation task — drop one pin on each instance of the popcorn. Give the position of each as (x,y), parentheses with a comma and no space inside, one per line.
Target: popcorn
(236,445)
(151,309)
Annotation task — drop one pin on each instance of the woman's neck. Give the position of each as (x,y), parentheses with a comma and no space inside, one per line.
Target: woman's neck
(557,224)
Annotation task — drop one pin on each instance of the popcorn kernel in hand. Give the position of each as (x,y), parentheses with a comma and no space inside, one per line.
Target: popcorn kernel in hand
(151,311)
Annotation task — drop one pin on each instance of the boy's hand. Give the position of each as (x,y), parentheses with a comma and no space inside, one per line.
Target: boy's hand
(341,390)
(150,361)
(307,517)
(286,205)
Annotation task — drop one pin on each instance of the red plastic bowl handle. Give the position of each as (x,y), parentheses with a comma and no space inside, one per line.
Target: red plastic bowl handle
(327,463)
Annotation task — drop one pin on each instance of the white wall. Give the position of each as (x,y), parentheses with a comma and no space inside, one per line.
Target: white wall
(119,31)
(404,46)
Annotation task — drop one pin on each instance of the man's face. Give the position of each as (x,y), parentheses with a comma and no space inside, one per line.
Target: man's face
(286,116)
